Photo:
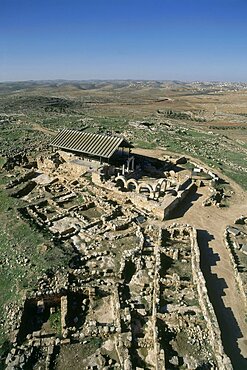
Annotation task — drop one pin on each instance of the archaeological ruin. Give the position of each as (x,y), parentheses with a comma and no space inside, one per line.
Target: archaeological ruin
(134,296)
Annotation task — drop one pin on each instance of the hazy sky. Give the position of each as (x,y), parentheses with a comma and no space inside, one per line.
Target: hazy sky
(123,39)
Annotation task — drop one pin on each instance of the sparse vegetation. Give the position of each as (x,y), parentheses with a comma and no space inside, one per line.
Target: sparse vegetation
(185,123)
(20,256)
(55,321)
(181,126)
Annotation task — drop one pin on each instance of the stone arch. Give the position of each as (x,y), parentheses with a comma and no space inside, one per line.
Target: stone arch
(146,187)
(157,188)
(120,182)
(162,185)
(132,184)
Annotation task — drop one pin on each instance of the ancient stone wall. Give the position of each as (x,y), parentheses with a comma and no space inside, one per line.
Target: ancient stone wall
(237,274)
(206,306)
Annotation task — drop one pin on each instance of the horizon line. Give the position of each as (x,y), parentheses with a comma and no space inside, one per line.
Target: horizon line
(122,79)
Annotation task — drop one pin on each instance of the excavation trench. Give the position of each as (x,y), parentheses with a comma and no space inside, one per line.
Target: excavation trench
(230,331)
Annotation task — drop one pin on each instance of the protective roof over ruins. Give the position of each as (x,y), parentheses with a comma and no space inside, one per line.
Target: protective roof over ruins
(89,143)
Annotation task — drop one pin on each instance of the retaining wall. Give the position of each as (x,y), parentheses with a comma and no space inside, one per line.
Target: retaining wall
(223,361)
(237,274)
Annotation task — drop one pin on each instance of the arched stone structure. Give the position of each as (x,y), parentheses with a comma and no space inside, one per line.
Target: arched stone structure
(152,190)
(162,185)
(132,184)
(120,182)
(157,191)
(145,186)
(148,188)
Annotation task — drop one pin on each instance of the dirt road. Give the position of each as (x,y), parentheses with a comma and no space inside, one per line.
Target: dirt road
(38,127)
(210,223)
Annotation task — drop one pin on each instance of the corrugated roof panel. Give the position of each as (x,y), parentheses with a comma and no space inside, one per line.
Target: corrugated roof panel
(89,143)
(115,142)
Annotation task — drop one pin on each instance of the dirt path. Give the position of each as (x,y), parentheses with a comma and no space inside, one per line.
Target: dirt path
(40,128)
(210,223)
